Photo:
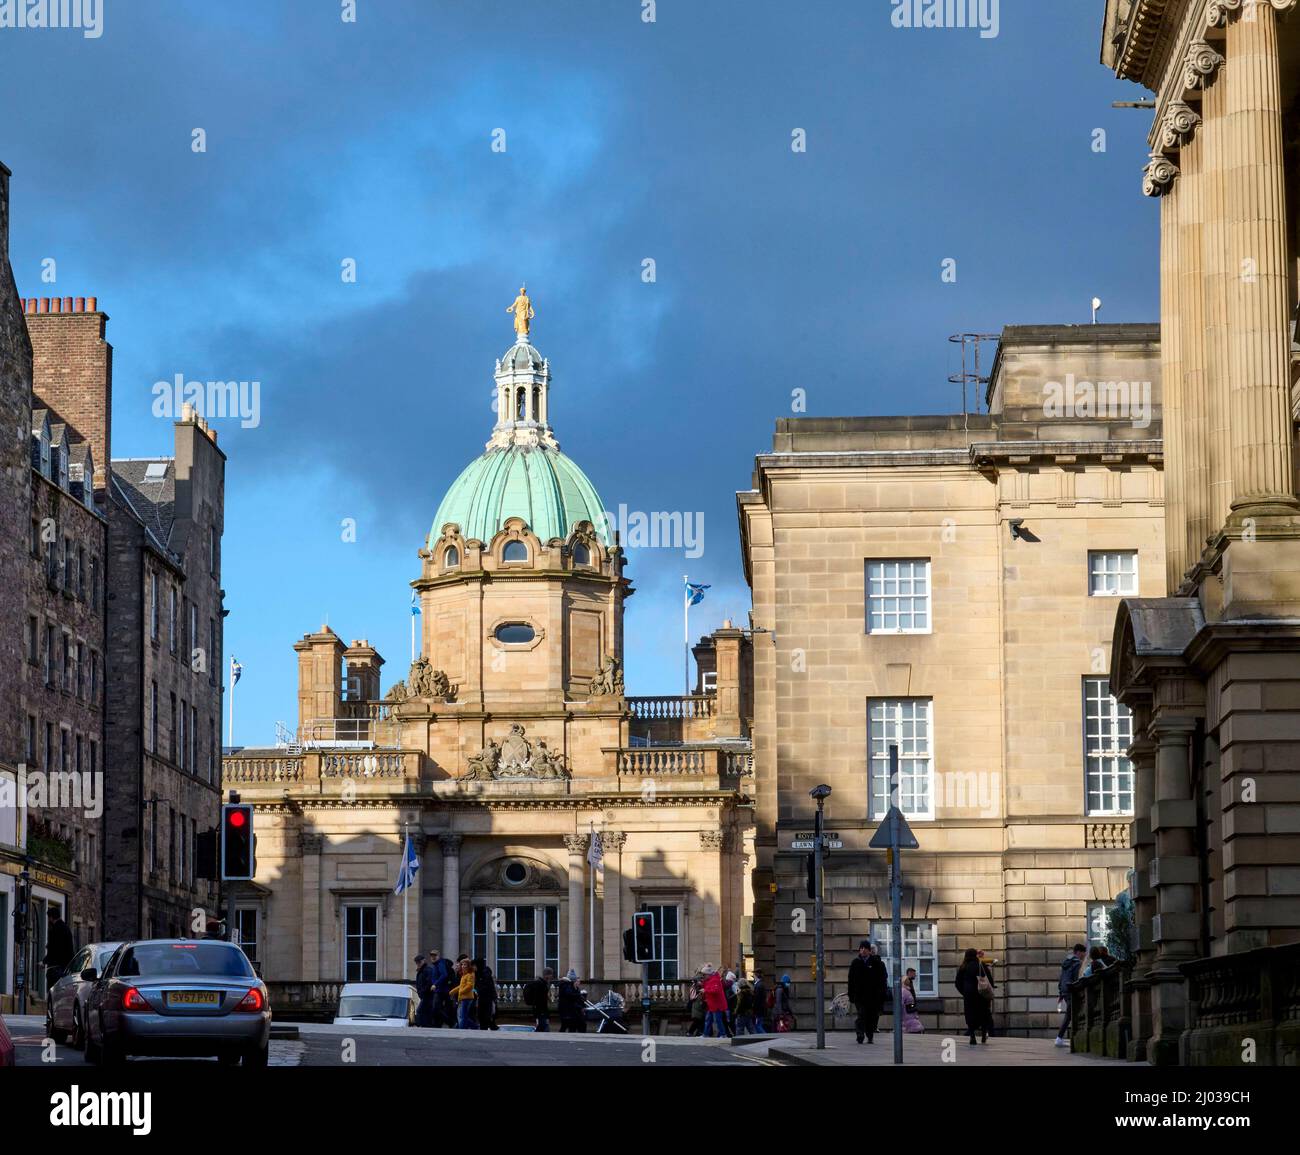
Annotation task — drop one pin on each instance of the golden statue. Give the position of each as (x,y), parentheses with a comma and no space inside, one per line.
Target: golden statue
(523,311)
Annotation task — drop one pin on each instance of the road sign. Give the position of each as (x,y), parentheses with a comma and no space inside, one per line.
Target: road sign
(829,843)
(886,837)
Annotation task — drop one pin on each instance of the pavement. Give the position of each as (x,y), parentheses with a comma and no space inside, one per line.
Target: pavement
(931,1049)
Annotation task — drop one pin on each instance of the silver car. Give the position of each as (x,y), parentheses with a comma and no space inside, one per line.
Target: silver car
(178,997)
(64,1011)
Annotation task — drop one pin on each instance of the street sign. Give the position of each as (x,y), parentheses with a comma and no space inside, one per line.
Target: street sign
(828,843)
(885,837)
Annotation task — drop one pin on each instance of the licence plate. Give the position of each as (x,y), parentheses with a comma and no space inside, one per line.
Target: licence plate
(194,998)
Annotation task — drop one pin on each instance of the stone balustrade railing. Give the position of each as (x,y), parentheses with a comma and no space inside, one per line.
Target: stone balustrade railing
(673,707)
(375,711)
(313,765)
(1239,1001)
(278,769)
(1100,1019)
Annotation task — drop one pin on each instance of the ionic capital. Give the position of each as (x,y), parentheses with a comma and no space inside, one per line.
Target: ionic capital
(1203,60)
(1180,121)
(1158,176)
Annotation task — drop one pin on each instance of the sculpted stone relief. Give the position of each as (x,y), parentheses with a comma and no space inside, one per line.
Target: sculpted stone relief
(609,682)
(516,757)
(423,681)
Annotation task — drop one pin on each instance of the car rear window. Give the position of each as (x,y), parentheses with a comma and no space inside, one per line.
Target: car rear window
(185,960)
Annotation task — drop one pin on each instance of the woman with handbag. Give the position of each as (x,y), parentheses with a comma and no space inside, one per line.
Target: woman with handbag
(912,1024)
(975,984)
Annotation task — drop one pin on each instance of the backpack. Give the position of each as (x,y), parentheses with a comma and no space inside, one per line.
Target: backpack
(535,994)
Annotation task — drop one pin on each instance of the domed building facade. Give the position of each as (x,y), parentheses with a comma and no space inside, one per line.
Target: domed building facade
(544,803)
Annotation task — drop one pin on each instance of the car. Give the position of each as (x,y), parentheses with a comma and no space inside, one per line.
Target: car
(377,1005)
(177,997)
(8,1056)
(64,1015)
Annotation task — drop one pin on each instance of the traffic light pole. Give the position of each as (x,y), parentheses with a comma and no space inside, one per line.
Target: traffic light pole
(821,946)
(896,913)
(645,998)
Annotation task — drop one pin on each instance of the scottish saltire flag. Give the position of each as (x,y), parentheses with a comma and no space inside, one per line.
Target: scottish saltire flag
(415,606)
(595,852)
(695,593)
(235,670)
(410,864)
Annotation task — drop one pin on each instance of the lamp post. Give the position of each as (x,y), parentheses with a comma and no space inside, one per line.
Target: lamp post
(819,794)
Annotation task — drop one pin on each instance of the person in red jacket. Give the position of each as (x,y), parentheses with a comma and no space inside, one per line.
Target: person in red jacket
(715,1003)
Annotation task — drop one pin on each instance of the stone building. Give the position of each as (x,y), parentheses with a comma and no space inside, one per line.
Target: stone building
(507,745)
(947,584)
(1210,664)
(53,544)
(167,516)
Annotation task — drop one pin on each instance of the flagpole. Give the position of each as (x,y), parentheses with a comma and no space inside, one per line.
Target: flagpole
(686,631)
(231,734)
(591,908)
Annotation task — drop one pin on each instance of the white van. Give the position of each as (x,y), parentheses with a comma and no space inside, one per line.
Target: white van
(377,1005)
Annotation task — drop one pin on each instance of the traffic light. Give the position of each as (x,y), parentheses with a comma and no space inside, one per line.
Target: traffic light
(643,936)
(237,860)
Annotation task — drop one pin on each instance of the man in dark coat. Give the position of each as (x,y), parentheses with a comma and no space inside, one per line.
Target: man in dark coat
(58,948)
(868,982)
(444,1011)
(424,988)
(537,996)
(571,1004)
(1070,968)
(760,1003)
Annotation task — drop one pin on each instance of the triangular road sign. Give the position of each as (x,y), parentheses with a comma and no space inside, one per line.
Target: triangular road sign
(894,831)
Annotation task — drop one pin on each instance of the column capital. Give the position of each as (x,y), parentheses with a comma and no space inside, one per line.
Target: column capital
(1201,64)
(1219,12)
(612,840)
(450,844)
(713,839)
(1179,122)
(575,843)
(1158,176)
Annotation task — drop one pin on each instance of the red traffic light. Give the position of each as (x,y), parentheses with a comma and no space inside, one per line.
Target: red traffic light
(236,817)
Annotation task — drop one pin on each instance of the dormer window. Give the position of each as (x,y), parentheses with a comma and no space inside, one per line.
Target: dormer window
(581,554)
(451,557)
(43,448)
(514,552)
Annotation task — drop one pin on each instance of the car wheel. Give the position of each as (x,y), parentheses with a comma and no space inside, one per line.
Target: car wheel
(258,1056)
(78,1028)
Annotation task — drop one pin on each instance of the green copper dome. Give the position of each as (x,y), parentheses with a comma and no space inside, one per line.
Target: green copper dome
(534,482)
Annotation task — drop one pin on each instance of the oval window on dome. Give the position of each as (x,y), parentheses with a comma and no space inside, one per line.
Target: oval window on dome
(451,557)
(515,633)
(514,551)
(581,554)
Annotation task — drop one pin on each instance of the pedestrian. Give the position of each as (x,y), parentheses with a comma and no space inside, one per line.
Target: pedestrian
(486,986)
(975,984)
(444,978)
(912,1024)
(1097,961)
(760,1003)
(424,988)
(58,948)
(782,1010)
(715,1003)
(464,994)
(571,1004)
(537,997)
(868,981)
(729,986)
(1071,965)
(744,1009)
(695,1006)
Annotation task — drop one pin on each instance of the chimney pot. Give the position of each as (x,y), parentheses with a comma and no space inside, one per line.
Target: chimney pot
(45,304)
(79,305)
(92,304)
(56,304)
(67,304)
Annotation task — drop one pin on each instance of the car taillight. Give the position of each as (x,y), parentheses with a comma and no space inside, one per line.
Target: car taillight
(133,1000)
(253,1001)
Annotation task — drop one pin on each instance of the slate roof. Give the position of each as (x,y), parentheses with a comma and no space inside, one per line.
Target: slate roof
(152,501)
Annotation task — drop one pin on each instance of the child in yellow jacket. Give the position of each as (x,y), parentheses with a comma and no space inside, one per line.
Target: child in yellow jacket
(464,994)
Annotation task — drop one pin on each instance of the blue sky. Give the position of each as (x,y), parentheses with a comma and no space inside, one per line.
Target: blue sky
(775,270)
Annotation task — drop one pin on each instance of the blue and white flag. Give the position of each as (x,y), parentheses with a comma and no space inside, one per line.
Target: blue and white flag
(595,852)
(415,606)
(410,864)
(235,670)
(695,593)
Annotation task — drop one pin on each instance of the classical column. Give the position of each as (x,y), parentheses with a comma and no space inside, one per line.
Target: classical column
(1259,342)
(450,946)
(611,845)
(1142,754)
(1213,144)
(576,844)
(706,935)
(309,848)
(1171,371)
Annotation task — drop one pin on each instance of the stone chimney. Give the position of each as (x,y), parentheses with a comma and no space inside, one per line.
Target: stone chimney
(320,680)
(200,481)
(72,370)
(363,671)
(733,654)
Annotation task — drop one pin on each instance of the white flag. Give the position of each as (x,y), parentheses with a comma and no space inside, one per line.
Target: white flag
(595,853)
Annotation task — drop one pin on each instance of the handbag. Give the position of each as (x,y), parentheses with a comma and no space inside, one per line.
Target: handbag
(984,986)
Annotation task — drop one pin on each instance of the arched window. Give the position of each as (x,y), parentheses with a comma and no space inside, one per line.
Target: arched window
(537,403)
(515,551)
(581,554)
(451,557)
(520,395)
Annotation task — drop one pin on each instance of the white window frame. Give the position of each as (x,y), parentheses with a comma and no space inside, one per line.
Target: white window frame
(922,938)
(243,915)
(913,766)
(345,937)
(1107,577)
(656,968)
(490,938)
(1103,751)
(903,604)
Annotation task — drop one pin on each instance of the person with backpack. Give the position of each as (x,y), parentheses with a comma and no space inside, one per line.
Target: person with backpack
(695,1006)
(744,1009)
(571,1004)
(1070,968)
(537,998)
(975,985)
(779,1002)
(424,988)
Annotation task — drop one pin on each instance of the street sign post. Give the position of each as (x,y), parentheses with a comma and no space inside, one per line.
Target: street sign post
(820,794)
(894,835)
